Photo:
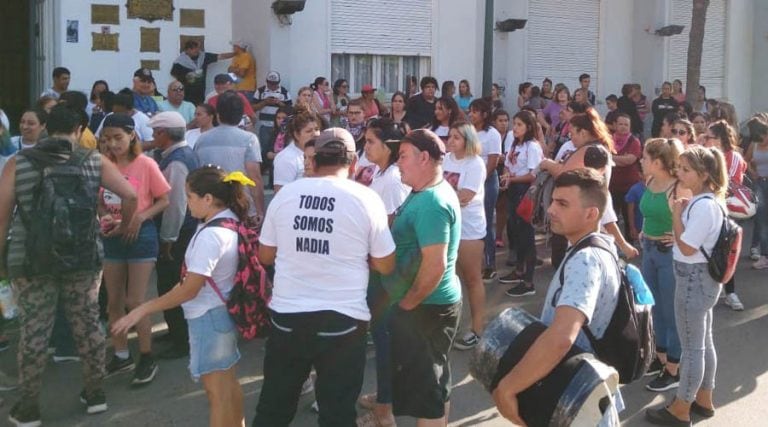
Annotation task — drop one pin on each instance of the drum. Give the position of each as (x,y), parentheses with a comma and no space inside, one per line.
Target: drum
(576,392)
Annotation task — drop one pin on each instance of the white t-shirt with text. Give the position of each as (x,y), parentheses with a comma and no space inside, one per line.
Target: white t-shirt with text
(324,230)
(468,173)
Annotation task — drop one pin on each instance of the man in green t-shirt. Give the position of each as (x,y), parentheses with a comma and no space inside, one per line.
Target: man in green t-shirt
(424,286)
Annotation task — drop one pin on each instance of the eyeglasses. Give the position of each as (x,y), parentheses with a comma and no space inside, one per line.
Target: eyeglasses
(178,89)
(678,132)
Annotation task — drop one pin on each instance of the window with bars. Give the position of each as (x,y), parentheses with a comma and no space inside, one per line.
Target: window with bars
(387,73)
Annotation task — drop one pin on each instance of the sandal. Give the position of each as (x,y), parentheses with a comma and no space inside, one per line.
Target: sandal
(369,419)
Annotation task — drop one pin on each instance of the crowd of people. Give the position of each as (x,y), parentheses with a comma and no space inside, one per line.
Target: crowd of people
(384,215)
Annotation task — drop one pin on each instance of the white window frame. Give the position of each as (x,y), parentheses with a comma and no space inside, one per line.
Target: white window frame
(425,69)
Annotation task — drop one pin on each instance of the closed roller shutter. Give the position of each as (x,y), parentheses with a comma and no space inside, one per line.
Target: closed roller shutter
(382,27)
(713,56)
(563,41)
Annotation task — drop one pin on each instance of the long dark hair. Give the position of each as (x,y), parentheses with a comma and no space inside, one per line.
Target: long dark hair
(529,119)
(389,133)
(93,88)
(454,112)
(318,82)
(210,180)
(484,107)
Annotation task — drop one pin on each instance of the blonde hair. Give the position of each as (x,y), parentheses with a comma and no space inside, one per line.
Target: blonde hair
(708,162)
(472,146)
(667,151)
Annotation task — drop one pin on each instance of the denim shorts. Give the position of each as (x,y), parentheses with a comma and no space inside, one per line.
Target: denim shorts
(143,249)
(212,342)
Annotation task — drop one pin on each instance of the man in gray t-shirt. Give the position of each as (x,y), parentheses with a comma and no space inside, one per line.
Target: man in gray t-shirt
(588,295)
(234,149)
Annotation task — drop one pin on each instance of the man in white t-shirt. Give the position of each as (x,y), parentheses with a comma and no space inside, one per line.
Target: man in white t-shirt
(588,294)
(323,234)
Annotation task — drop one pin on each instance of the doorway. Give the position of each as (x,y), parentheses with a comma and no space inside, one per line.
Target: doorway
(16,31)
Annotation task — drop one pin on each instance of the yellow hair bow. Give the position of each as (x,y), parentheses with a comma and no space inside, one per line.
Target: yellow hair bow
(240,177)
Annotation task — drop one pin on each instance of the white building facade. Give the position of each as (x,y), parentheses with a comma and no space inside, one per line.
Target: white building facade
(381,42)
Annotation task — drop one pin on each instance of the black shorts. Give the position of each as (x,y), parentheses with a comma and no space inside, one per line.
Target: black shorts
(421,340)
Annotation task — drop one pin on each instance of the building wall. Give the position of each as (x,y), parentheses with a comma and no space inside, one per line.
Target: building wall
(738,59)
(118,67)
(458,43)
(759,55)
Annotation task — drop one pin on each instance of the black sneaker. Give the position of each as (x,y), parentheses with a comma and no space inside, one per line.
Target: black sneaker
(145,370)
(665,381)
(521,290)
(513,277)
(25,417)
(489,274)
(655,368)
(118,364)
(468,341)
(96,401)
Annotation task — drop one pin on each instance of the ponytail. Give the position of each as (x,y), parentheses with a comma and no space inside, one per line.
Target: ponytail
(709,162)
(227,189)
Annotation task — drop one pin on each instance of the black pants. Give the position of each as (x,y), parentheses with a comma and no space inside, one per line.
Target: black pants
(168,275)
(521,232)
(332,343)
(621,208)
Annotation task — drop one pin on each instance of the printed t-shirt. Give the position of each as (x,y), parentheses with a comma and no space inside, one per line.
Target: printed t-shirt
(145,177)
(524,158)
(324,230)
(468,173)
(428,217)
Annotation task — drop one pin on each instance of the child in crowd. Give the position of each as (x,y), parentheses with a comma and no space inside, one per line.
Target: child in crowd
(211,261)
(635,219)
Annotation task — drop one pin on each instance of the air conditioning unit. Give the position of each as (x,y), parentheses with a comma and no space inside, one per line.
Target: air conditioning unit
(288,7)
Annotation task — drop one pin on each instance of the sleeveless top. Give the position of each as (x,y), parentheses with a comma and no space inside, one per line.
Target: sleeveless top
(657,217)
(27,178)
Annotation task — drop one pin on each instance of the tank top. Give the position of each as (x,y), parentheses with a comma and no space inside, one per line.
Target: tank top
(657,217)
(760,157)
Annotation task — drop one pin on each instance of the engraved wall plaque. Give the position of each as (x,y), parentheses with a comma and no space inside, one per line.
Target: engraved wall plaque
(183,39)
(105,14)
(151,64)
(150,10)
(105,42)
(193,18)
(150,40)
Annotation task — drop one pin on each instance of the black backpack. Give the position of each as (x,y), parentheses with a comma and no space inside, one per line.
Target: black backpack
(628,344)
(722,262)
(61,225)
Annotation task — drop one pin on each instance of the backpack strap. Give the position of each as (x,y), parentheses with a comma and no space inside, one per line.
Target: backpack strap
(229,224)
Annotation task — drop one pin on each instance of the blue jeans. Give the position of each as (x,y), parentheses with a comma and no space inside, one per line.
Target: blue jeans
(381,312)
(491,195)
(696,294)
(658,272)
(760,232)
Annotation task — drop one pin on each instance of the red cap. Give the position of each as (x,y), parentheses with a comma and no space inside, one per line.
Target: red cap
(368,88)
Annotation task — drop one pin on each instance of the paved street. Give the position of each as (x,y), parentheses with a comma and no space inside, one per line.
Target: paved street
(174,400)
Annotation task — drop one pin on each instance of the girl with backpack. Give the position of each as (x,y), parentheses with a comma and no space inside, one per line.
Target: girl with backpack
(696,223)
(211,259)
(660,164)
(130,258)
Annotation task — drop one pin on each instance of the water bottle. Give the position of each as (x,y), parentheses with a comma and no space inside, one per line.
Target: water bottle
(7,302)
(643,295)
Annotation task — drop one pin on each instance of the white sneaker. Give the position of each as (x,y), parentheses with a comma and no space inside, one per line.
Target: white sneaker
(761,263)
(754,254)
(733,301)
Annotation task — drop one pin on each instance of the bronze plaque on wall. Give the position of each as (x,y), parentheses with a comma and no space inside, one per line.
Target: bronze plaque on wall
(183,39)
(150,64)
(105,14)
(103,41)
(150,40)
(194,18)
(150,10)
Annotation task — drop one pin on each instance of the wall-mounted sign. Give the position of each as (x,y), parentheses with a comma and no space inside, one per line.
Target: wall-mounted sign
(150,10)
(105,14)
(150,40)
(150,64)
(105,41)
(73,31)
(183,39)
(194,18)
